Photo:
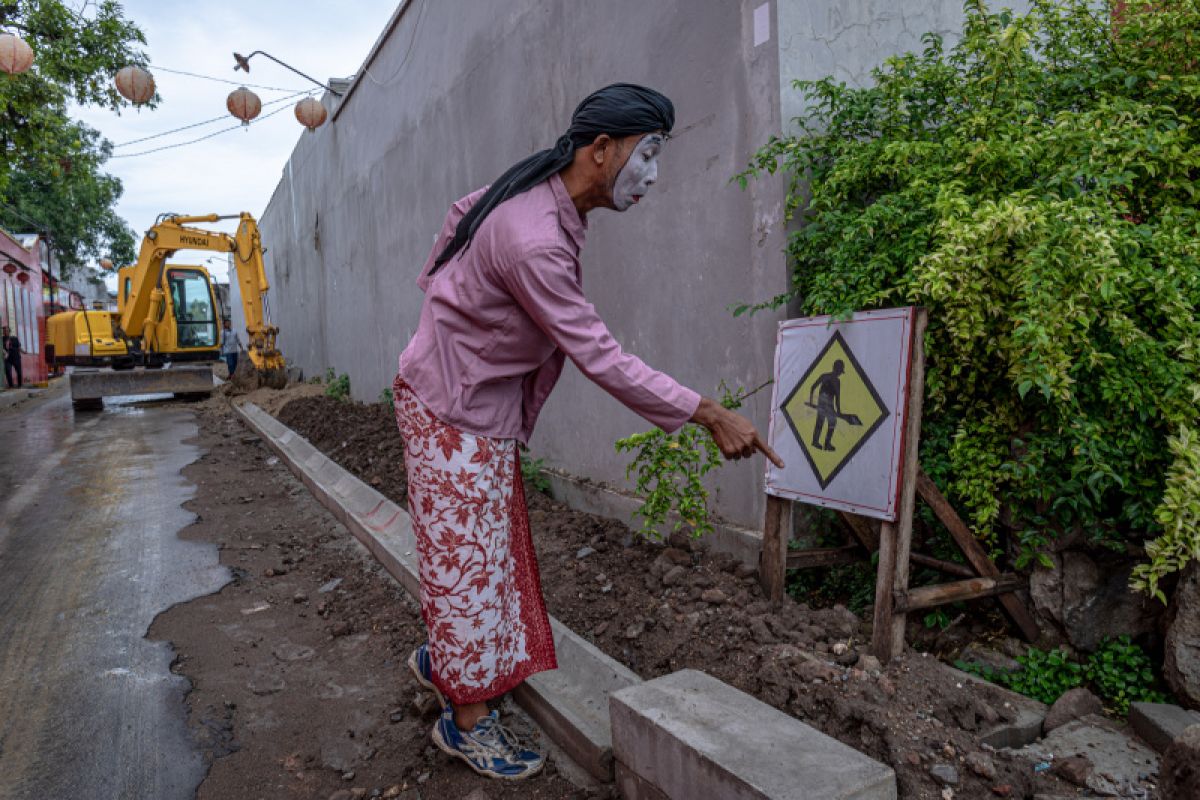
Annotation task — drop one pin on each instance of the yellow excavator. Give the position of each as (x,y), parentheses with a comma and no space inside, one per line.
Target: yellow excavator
(165,335)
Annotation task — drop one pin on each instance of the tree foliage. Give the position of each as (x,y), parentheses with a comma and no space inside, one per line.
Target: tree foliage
(50,165)
(1035,186)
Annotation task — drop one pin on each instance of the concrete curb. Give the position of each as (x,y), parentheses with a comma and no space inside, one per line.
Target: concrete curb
(570,703)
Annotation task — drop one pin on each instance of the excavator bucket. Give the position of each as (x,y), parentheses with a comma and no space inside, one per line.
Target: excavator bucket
(247,378)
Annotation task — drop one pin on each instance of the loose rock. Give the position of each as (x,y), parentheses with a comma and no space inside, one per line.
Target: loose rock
(1179,773)
(1074,703)
(944,774)
(981,765)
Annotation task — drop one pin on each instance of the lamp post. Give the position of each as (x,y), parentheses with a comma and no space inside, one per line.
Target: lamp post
(243,63)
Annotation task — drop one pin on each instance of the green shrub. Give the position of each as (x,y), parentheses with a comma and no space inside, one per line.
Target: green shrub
(1119,671)
(670,469)
(385,396)
(531,470)
(337,387)
(1035,187)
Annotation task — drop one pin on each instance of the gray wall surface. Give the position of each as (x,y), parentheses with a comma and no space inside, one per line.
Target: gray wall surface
(456,91)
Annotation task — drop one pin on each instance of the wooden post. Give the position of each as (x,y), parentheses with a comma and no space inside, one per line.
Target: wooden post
(895,539)
(772,564)
(976,555)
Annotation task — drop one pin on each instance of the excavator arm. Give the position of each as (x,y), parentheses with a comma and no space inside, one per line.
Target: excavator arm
(172,233)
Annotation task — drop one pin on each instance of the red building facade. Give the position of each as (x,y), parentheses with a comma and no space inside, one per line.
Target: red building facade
(22,309)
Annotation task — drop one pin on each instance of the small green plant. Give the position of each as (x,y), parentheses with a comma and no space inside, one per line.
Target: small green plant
(337,387)
(532,471)
(670,469)
(1122,674)
(1119,671)
(938,618)
(385,396)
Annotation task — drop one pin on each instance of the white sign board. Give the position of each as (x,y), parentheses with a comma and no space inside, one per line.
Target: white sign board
(839,403)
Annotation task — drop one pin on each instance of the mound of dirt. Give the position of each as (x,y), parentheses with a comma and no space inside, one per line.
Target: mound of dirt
(660,607)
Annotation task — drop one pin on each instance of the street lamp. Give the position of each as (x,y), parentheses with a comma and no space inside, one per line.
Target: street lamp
(309,112)
(243,63)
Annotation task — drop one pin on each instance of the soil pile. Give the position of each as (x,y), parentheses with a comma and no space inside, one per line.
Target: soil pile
(662,607)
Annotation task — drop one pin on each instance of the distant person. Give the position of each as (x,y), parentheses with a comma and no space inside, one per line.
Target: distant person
(504,308)
(230,345)
(11,346)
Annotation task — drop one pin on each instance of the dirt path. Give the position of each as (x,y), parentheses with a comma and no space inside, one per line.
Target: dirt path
(300,687)
(661,608)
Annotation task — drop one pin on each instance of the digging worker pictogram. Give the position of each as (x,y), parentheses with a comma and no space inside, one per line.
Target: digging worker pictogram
(503,310)
(828,389)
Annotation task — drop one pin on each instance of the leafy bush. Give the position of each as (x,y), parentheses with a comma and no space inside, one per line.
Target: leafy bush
(670,470)
(1119,671)
(385,396)
(531,470)
(337,387)
(1035,187)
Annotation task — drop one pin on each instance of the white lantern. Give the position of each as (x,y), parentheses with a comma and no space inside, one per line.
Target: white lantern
(15,55)
(243,104)
(135,84)
(310,113)
(106,264)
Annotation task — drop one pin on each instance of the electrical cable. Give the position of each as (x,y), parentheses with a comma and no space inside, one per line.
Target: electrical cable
(201,139)
(221,80)
(407,53)
(209,121)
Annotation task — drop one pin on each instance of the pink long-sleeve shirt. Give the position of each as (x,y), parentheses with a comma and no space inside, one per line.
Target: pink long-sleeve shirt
(501,317)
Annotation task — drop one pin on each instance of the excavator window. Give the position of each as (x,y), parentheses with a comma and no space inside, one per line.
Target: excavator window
(194,313)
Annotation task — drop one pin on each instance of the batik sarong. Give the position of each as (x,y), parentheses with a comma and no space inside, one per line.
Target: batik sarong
(481,596)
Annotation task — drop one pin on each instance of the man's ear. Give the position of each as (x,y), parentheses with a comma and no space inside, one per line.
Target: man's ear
(602,148)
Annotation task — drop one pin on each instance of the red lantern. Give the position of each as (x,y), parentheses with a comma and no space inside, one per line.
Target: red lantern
(10,268)
(243,104)
(15,56)
(135,84)
(310,113)
(23,277)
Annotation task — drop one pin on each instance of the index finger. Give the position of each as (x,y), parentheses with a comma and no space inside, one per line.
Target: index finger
(766,450)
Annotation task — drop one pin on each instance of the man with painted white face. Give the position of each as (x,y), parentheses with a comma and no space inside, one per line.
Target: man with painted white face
(504,308)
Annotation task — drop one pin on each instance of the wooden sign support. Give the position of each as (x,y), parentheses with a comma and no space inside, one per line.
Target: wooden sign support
(894,600)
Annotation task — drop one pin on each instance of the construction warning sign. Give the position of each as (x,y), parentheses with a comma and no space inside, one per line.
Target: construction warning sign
(841,391)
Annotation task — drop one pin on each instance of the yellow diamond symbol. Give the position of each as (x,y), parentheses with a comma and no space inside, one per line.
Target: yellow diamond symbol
(833,410)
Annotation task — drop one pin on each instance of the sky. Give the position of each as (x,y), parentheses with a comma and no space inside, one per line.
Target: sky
(237,170)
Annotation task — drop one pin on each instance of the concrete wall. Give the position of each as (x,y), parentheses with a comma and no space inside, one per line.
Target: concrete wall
(453,94)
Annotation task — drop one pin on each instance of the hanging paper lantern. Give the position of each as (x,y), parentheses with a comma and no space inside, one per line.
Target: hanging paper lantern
(135,84)
(15,56)
(311,113)
(106,263)
(243,104)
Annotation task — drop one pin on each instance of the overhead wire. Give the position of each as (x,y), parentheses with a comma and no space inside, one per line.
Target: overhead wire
(200,139)
(222,80)
(411,42)
(209,121)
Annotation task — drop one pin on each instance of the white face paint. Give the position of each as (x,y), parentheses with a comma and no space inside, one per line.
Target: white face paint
(639,173)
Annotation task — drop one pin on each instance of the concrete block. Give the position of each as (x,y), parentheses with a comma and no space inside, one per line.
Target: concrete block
(692,737)
(632,787)
(1159,723)
(1118,760)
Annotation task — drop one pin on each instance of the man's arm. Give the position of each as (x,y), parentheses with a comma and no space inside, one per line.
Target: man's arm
(546,287)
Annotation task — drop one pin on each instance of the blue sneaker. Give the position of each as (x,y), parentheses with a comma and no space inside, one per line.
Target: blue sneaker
(422,668)
(489,748)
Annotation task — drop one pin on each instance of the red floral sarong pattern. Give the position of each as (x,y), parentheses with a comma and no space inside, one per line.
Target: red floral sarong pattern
(481,596)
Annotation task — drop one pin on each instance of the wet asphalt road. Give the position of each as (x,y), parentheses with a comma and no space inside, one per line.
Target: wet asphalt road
(89,512)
